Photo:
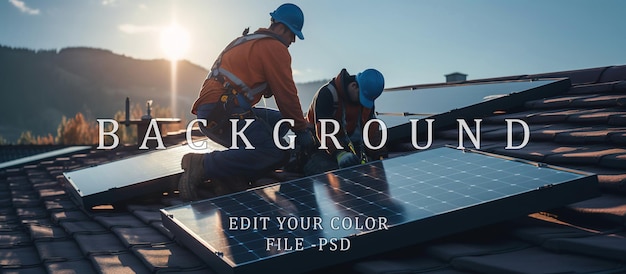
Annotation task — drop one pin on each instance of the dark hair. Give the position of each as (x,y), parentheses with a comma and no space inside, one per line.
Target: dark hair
(352,78)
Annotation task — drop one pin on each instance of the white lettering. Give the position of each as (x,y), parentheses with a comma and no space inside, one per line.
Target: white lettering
(236,133)
(383,137)
(101,133)
(463,127)
(509,133)
(199,145)
(292,143)
(192,145)
(324,135)
(155,126)
(429,141)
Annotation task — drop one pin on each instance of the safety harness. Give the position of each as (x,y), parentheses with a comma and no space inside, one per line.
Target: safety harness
(347,139)
(238,92)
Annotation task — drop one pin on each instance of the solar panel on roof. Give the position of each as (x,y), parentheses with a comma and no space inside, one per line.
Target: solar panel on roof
(446,104)
(114,181)
(44,155)
(355,212)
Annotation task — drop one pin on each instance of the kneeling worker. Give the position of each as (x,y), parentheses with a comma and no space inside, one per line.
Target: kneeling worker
(252,66)
(349,100)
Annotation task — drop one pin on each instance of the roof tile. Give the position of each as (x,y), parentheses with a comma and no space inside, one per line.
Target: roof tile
(417,264)
(614,73)
(160,227)
(51,193)
(118,263)
(555,102)
(609,180)
(617,120)
(603,87)
(131,236)
(83,227)
(55,251)
(99,243)
(70,215)
(499,119)
(540,133)
(610,206)
(594,116)
(46,232)
(7,215)
(605,246)
(620,86)
(471,247)
(552,117)
(588,135)
(169,256)
(614,160)
(23,198)
(60,205)
(584,155)
(71,267)
(119,220)
(28,270)
(31,213)
(600,100)
(538,229)
(13,239)
(536,260)
(25,256)
(148,216)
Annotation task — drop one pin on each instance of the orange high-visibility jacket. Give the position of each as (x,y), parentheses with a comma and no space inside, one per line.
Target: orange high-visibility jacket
(265,60)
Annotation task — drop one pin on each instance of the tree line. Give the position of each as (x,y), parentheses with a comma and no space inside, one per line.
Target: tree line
(79,130)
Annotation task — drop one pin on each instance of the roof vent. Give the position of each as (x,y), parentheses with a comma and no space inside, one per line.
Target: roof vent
(456,77)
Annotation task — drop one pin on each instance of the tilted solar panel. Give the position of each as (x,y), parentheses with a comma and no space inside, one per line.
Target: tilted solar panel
(446,104)
(115,181)
(350,213)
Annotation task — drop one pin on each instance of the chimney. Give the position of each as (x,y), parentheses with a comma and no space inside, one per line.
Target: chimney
(456,77)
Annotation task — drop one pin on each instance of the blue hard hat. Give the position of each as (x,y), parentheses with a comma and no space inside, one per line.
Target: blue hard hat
(371,84)
(290,15)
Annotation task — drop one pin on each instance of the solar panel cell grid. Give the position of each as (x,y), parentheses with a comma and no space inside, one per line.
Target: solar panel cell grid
(273,221)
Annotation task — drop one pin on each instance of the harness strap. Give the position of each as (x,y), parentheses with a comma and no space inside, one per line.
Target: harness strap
(219,73)
(243,88)
(240,40)
(347,139)
(333,92)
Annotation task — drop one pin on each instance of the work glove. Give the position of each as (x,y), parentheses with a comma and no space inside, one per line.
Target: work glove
(305,140)
(346,159)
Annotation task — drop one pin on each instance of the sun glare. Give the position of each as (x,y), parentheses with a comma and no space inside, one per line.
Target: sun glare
(174,42)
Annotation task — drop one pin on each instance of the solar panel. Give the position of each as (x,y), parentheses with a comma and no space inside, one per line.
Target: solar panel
(115,181)
(446,104)
(350,213)
(44,155)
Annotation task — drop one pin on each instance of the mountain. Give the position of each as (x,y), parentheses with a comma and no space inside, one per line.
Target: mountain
(40,87)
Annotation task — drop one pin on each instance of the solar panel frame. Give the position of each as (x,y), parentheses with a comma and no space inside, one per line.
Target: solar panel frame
(213,249)
(118,181)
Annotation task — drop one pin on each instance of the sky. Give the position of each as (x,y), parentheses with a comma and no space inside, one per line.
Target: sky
(409,41)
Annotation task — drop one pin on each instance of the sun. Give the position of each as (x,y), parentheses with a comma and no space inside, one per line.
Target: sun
(174,42)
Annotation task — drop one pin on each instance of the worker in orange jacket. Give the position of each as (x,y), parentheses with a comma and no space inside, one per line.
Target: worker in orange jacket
(348,100)
(252,66)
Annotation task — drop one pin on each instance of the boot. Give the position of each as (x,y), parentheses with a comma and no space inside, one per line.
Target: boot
(193,176)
